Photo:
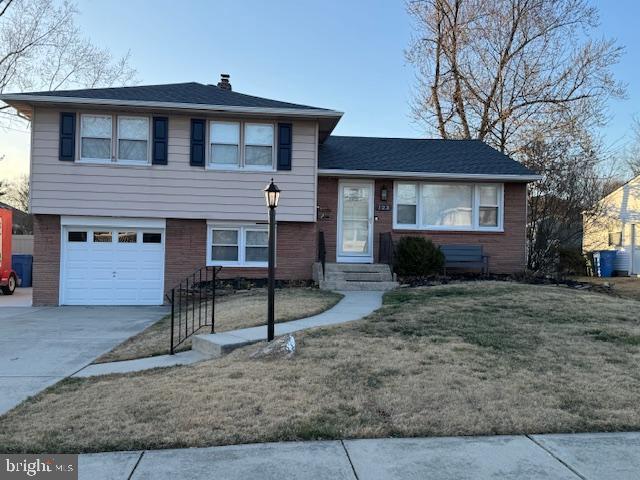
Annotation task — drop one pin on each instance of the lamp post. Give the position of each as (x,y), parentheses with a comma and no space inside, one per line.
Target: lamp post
(271,196)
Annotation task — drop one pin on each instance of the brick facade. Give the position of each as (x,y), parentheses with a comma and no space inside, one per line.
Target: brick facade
(185,242)
(186,252)
(46,259)
(506,249)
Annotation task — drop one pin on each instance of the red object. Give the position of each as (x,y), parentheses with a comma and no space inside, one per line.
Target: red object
(8,277)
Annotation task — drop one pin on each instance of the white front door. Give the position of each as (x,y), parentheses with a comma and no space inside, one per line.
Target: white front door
(355,222)
(635,250)
(112,266)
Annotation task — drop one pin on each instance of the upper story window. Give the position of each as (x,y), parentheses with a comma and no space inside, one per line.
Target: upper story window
(258,145)
(95,138)
(225,144)
(447,206)
(241,145)
(133,139)
(131,144)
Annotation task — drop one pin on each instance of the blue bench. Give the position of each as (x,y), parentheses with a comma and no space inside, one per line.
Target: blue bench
(465,256)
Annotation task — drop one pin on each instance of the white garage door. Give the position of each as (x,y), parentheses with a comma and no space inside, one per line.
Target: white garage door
(112,265)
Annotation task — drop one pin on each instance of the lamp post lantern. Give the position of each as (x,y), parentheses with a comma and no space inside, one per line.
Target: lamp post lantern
(271,196)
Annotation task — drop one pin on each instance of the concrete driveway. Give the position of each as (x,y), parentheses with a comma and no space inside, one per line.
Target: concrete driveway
(41,345)
(20,298)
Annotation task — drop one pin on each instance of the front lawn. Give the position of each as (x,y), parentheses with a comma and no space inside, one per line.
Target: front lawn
(238,310)
(463,359)
(628,287)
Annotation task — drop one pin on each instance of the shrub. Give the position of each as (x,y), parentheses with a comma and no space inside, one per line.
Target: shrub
(417,256)
(572,261)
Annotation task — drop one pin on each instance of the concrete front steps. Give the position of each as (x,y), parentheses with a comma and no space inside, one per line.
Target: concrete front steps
(356,276)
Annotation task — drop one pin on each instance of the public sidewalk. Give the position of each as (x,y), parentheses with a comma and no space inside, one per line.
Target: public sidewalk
(596,456)
(353,306)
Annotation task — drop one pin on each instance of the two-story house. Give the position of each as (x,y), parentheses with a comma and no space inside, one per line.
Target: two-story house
(134,188)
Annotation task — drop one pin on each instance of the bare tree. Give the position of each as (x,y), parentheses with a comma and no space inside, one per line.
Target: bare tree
(41,48)
(526,77)
(575,179)
(497,70)
(17,193)
(632,154)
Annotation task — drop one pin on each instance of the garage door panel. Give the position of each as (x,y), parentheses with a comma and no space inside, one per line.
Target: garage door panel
(112,272)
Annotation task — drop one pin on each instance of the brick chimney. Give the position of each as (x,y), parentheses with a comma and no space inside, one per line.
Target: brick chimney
(224,82)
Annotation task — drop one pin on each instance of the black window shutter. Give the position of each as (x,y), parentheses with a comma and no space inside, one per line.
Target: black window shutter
(67,136)
(160,140)
(284,146)
(197,142)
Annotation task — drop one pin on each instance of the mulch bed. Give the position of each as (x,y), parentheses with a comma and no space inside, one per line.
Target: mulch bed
(432,280)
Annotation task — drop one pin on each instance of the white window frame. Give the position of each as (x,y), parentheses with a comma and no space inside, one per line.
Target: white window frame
(242,229)
(80,137)
(241,148)
(118,138)
(475,214)
(115,144)
(478,205)
(223,166)
(406,226)
(245,145)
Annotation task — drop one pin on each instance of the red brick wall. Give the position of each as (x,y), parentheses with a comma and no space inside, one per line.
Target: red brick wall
(46,259)
(186,252)
(506,250)
(185,249)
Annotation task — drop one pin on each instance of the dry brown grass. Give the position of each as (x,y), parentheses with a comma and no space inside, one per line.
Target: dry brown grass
(466,359)
(239,310)
(628,287)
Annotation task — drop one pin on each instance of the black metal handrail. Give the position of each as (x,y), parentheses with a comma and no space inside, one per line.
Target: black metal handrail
(193,305)
(322,251)
(385,250)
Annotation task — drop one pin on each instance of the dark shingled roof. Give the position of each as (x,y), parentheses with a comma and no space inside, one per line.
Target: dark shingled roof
(416,155)
(192,92)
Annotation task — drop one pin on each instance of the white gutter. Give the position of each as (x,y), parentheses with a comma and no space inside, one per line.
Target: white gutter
(325,172)
(303,112)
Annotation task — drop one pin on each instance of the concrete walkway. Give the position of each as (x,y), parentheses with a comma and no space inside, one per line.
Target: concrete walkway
(597,456)
(354,306)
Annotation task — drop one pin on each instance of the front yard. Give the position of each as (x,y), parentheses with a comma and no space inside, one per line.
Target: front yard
(628,287)
(463,359)
(238,310)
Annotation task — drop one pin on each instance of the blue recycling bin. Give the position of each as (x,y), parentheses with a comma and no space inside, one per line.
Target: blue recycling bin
(605,261)
(22,265)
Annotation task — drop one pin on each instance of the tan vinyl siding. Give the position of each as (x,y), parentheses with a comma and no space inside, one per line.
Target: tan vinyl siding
(176,190)
(617,212)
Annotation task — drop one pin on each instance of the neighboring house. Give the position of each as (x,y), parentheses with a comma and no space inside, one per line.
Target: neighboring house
(615,225)
(134,188)
(22,221)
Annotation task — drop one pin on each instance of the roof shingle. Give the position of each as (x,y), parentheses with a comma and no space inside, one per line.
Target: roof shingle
(436,156)
(192,92)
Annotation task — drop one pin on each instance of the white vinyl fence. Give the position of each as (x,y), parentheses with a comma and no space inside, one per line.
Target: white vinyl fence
(22,245)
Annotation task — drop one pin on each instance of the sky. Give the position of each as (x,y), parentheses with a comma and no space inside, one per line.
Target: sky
(346,55)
